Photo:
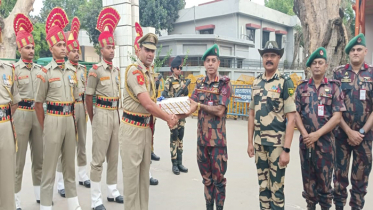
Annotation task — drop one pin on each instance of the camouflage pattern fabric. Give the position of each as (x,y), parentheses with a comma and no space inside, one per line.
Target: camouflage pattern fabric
(212,164)
(271,100)
(211,129)
(357,114)
(271,177)
(172,85)
(317,171)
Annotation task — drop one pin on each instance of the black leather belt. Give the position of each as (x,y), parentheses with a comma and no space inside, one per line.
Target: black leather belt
(60,109)
(26,104)
(139,119)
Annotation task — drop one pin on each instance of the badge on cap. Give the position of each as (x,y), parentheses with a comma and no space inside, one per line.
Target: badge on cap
(359,40)
(216,50)
(321,53)
(270,46)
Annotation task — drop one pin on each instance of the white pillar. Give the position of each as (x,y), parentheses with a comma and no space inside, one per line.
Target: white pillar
(135,18)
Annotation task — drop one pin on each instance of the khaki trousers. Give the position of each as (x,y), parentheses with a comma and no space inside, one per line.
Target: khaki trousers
(105,126)
(7,166)
(136,145)
(59,139)
(28,132)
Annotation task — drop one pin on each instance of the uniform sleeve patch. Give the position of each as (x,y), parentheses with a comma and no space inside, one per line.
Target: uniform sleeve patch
(136,72)
(92,74)
(44,69)
(54,79)
(291,91)
(140,79)
(41,77)
(104,78)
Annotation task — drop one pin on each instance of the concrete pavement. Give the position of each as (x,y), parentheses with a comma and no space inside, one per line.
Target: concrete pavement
(185,191)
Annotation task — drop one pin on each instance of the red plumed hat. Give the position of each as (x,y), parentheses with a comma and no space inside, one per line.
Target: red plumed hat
(72,40)
(23,28)
(56,22)
(107,21)
(139,34)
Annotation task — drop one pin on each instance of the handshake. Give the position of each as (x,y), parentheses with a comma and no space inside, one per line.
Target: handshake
(172,121)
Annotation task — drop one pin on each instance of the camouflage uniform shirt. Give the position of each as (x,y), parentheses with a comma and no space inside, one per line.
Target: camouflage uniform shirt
(271,100)
(172,86)
(211,129)
(357,111)
(308,99)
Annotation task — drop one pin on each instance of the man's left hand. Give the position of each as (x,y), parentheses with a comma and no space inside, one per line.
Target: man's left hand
(311,139)
(284,159)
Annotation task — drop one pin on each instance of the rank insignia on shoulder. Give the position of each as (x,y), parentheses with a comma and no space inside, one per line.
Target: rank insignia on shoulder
(136,72)
(92,74)
(44,69)
(95,67)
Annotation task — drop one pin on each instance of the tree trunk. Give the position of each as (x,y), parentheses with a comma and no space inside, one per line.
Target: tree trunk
(322,25)
(8,47)
(297,39)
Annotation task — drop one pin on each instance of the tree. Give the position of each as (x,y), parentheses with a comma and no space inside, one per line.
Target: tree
(41,46)
(8,47)
(284,6)
(322,26)
(70,7)
(158,62)
(88,14)
(6,7)
(160,14)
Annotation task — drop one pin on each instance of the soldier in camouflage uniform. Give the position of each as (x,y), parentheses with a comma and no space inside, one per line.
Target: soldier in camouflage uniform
(173,85)
(319,103)
(354,134)
(211,99)
(272,99)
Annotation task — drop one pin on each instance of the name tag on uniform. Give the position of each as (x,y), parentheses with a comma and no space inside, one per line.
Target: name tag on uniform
(363,94)
(320,110)
(210,103)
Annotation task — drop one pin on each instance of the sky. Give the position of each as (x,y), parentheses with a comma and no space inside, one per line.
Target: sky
(38,4)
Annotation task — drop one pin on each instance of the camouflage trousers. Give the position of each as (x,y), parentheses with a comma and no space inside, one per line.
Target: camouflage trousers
(317,175)
(176,140)
(271,177)
(212,164)
(361,167)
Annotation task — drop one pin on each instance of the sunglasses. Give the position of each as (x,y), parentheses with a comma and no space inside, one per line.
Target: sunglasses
(179,68)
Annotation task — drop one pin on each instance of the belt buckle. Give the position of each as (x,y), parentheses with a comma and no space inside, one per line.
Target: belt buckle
(114,104)
(147,120)
(2,113)
(66,109)
(32,104)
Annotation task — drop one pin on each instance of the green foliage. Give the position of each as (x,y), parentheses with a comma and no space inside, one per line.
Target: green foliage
(349,16)
(284,6)
(41,45)
(160,14)
(88,14)
(70,7)
(158,63)
(6,7)
(186,57)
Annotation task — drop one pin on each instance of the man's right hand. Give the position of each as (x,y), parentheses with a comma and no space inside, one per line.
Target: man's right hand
(172,121)
(250,150)
(355,138)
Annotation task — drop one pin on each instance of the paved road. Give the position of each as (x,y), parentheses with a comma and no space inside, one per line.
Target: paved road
(185,192)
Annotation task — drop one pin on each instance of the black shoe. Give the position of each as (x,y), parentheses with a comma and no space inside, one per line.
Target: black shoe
(338,207)
(175,170)
(153,181)
(155,157)
(311,206)
(118,199)
(355,208)
(19,209)
(183,169)
(219,207)
(38,201)
(86,183)
(100,207)
(210,206)
(61,192)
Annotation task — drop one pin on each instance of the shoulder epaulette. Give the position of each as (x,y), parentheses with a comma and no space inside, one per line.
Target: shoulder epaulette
(10,65)
(95,66)
(335,81)
(257,77)
(285,76)
(16,65)
(225,79)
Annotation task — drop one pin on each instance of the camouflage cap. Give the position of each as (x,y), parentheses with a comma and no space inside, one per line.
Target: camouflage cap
(149,41)
(214,50)
(319,53)
(357,40)
(271,46)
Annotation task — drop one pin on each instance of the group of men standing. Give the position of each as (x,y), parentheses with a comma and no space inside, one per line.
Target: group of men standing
(334,117)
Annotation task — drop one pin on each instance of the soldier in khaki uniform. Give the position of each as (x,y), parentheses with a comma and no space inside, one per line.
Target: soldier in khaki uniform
(135,134)
(9,99)
(271,106)
(73,52)
(104,81)
(25,121)
(56,85)
(175,86)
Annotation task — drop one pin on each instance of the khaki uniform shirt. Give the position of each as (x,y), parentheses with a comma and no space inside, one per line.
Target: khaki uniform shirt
(26,79)
(7,85)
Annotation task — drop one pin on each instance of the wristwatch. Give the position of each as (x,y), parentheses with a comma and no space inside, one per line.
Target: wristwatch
(287,150)
(362,131)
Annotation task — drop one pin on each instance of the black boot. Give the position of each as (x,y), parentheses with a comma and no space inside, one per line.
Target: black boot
(324,208)
(338,207)
(209,206)
(180,163)
(219,207)
(311,206)
(155,157)
(175,168)
(355,208)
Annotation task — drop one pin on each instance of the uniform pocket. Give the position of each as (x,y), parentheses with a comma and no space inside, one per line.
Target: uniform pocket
(55,84)
(274,102)
(105,82)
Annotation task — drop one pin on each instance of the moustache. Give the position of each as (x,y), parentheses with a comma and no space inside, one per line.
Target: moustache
(269,62)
